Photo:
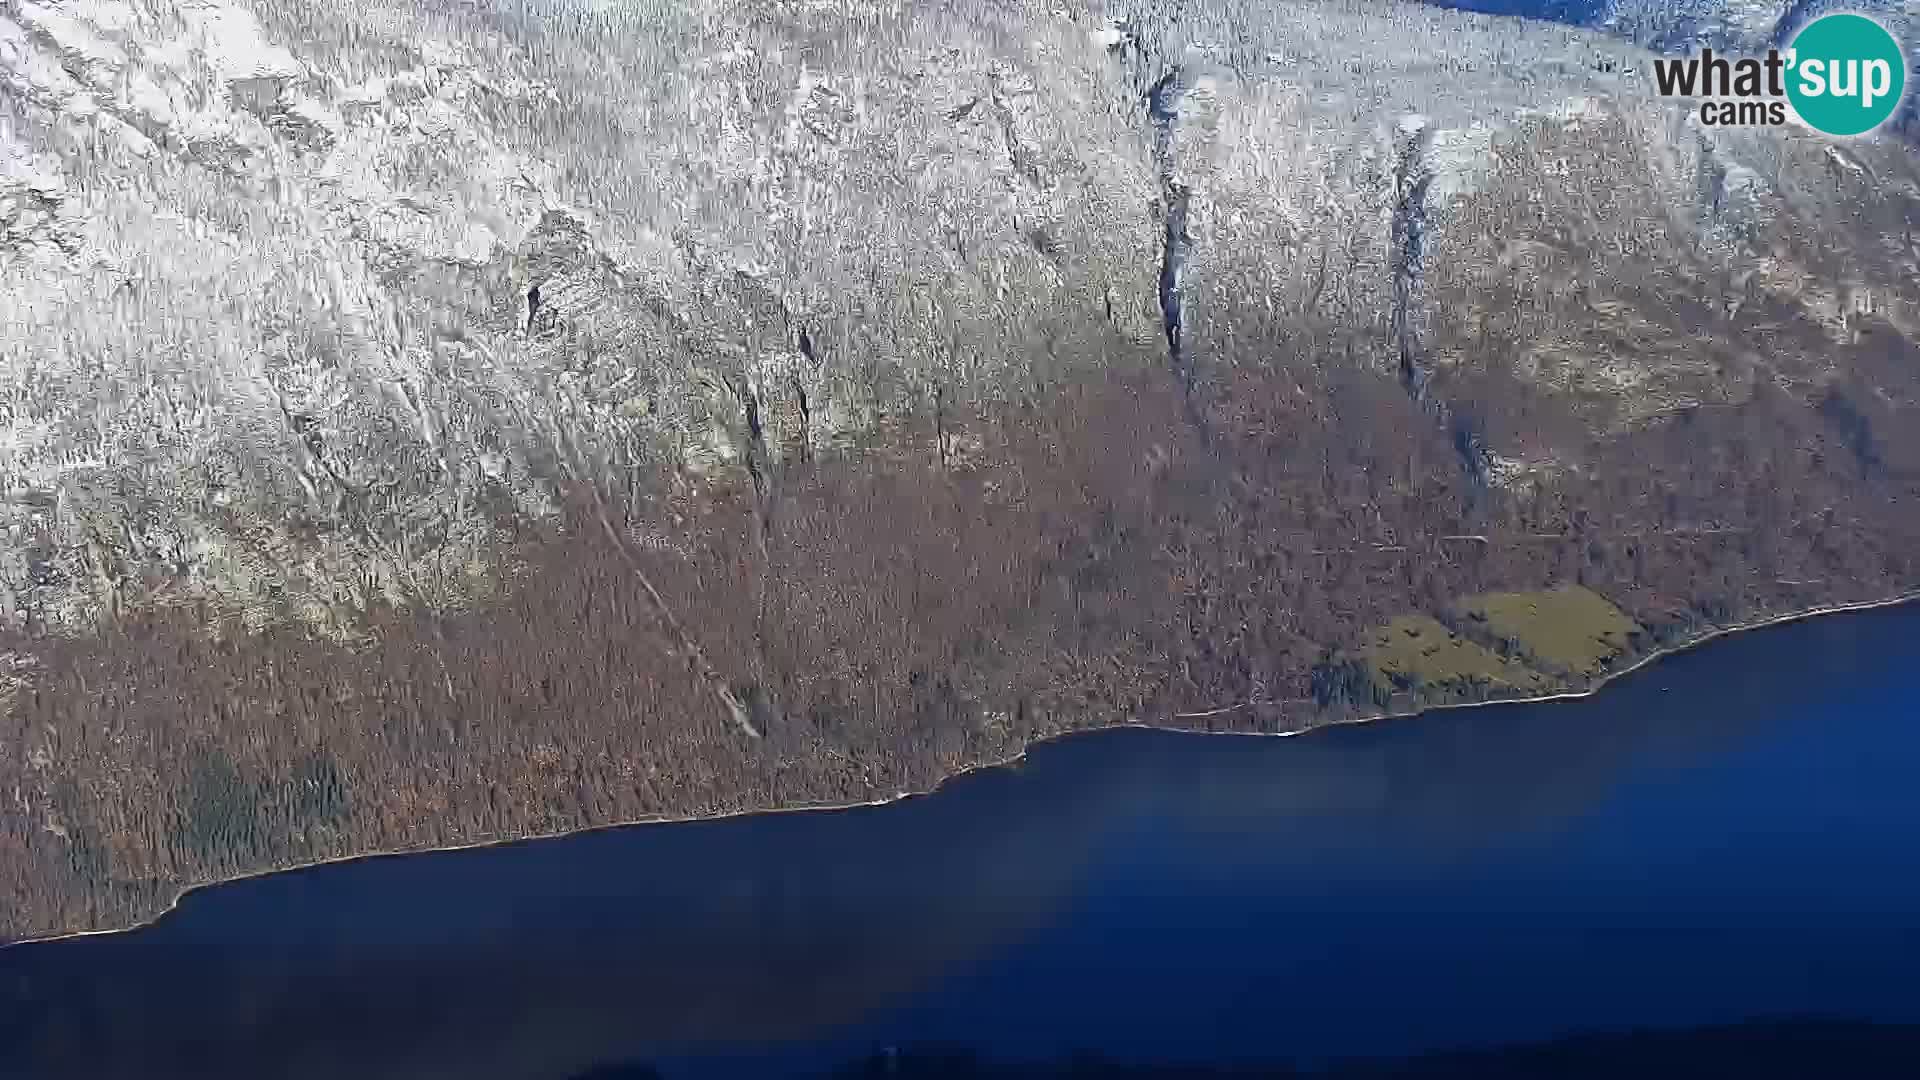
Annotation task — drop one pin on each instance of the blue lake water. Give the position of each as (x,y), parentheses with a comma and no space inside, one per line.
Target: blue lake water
(1726,834)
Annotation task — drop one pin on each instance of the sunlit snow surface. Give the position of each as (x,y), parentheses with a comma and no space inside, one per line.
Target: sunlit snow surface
(260,260)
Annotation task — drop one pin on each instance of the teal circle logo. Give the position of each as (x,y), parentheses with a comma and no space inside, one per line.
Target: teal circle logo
(1846,74)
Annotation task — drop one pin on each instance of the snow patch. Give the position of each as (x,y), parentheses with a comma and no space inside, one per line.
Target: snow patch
(1110,36)
(75,35)
(1845,162)
(21,60)
(230,40)
(1459,160)
(1572,112)
(1515,472)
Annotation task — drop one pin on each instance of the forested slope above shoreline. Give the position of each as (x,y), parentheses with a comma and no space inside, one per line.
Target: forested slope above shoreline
(1108,596)
(466,426)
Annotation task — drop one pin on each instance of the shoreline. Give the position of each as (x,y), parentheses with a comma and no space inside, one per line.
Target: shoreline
(1601,683)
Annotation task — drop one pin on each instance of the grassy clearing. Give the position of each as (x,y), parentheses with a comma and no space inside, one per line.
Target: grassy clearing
(1416,651)
(1568,629)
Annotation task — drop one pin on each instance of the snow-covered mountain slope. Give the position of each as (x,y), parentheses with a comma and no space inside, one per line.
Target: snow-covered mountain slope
(304,300)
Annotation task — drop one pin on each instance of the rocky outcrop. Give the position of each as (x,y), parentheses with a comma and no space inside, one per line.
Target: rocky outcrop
(278,339)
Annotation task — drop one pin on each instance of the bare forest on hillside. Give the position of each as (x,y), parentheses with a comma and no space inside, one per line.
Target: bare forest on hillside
(432,424)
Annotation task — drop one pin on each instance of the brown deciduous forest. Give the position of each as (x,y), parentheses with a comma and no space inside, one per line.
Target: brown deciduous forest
(856,624)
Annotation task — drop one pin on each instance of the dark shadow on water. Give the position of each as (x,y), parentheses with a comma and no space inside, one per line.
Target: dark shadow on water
(1787,1049)
(621,1072)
